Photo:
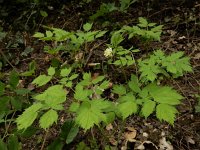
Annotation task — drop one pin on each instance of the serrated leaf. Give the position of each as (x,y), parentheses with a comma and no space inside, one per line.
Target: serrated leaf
(74,76)
(134,84)
(164,94)
(29,115)
(127,108)
(53,96)
(13,79)
(43,13)
(104,85)
(13,143)
(87,76)
(57,144)
(74,107)
(41,80)
(98,79)
(89,115)
(119,89)
(22,91)
(2,88)
(143,22)
(69,131)
(4,103)
(166,112)
(87,26)
(69,84)
(38,35)
(51,71)
(148,108)
(100,34)
(49,34)
(116,39)
(3,146)
(16,102)
(65,72)
(48,119)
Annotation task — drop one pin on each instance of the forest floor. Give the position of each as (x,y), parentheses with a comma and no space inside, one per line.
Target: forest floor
(181,32)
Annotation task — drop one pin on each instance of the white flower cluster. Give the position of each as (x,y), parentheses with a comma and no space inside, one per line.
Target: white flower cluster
(108,52)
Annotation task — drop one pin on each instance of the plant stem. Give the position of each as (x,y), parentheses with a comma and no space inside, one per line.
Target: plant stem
(6,132)
(45,137)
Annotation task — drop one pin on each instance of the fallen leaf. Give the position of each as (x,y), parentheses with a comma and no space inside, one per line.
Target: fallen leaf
(197,56)
(190,140)
(79,56)
(109,127)
(145,134)
(113,141)
(130,134)
(164,145)
(141,146)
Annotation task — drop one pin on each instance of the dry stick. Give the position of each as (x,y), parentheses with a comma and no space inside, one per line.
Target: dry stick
(91,51)
(7,60)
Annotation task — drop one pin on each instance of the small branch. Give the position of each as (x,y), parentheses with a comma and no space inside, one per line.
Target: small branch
(4,56)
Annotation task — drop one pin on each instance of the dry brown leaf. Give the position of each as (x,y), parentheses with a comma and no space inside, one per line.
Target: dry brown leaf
(79,56)
(109,127)
(113,141)
(130,134)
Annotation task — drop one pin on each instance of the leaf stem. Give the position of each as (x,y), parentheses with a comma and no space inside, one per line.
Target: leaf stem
(45,137)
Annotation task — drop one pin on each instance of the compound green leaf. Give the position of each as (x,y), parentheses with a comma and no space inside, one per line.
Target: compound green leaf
(48,119)
(166,112)
(29,115)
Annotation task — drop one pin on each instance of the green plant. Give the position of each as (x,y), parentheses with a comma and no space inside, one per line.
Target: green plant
(104,9)
(119,56)
(158,63)
(147,31)
(89,107)
(125,4)
(151,98)
(13,98)
(50,100)
(68,41)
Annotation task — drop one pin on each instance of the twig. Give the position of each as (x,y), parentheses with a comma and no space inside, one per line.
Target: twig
(91,52)
(4,56)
